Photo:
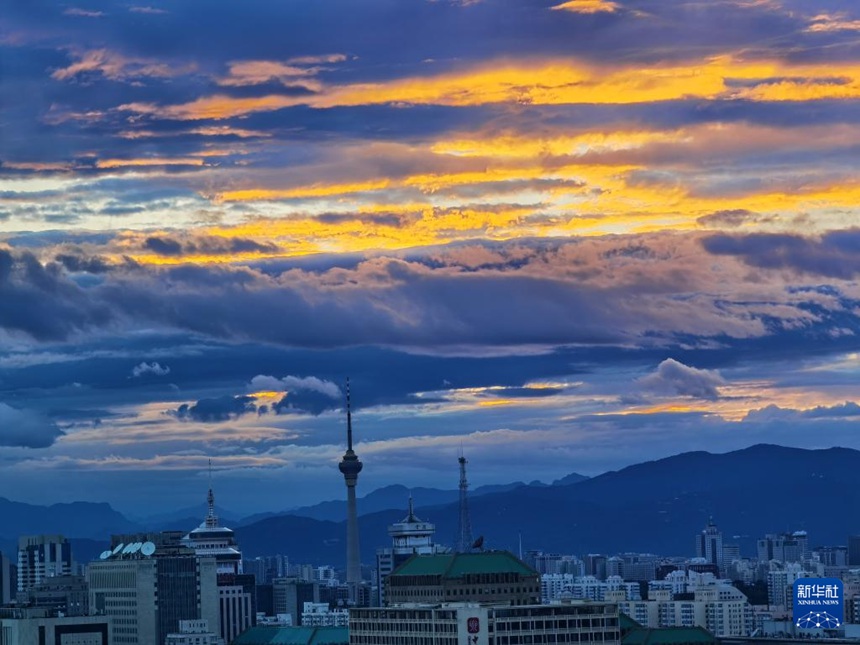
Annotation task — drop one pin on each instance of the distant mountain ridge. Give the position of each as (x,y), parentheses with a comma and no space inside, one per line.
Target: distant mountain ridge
(656,506)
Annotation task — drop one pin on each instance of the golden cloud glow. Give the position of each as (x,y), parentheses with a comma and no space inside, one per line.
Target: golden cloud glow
(554,82)
(588,6)
(149,161)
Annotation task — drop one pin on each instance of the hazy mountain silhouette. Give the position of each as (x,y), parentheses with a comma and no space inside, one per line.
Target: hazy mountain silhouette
(656,507)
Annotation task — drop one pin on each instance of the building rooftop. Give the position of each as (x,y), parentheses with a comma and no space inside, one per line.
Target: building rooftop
(265,635)
(668,636)
(457,565)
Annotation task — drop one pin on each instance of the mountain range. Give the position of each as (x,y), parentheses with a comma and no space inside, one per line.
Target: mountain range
(656,506)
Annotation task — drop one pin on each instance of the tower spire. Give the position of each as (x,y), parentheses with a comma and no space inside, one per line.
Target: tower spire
(464,535)
(348,419)
(211,518)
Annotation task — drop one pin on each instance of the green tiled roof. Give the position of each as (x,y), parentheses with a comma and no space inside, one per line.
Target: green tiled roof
(456,565)
(266,635)
(625,622)
(667,636)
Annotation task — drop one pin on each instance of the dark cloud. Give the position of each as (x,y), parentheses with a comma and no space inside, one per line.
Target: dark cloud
(835,254)
(216,410)
(26,428)
(207,245)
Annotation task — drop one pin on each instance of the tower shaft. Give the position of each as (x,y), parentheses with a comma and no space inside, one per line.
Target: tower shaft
(464,532)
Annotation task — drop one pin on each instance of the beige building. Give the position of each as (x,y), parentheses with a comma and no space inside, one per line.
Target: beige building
(34,625)
(473,624)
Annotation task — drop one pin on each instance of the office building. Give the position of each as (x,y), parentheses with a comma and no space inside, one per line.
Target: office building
(784,547)
(289,596)
(409,537)
(485,577)
(709,544)
(453,624)
(39,625)
(194,632)
(40,557)
(595,565)
(68,595)
(319,614)
(8,579)
(149,583)
(556,586)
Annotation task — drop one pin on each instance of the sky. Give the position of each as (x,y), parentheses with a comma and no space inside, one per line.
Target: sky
(558,236)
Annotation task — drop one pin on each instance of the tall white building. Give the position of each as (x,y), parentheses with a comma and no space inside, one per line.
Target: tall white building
(235,591)
(40,557)
(565,585)
(409,536)
(780,579)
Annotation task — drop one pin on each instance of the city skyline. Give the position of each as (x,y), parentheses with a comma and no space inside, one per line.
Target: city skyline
(564,236)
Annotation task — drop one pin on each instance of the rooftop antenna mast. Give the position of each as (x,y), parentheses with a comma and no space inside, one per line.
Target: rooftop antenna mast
(465,542)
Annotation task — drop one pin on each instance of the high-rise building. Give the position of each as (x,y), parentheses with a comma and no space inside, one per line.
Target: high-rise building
(409,536)
(148,583)
(8,579)
(350,467)
(784,547)
(40,557)
(289,596)
(709,544)
(236,593)
(595,565)
(486,577)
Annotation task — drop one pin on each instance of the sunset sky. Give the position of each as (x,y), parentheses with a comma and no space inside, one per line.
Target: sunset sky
(564,236)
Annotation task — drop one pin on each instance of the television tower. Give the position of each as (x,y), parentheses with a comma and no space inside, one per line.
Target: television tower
(465,543)
(350,466)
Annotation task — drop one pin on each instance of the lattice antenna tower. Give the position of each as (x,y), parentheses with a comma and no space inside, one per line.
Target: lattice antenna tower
(465,541)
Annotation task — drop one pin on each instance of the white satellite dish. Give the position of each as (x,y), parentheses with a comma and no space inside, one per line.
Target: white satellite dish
(147,548)
(118,548)
(134,547)
(105,554)
(128,548)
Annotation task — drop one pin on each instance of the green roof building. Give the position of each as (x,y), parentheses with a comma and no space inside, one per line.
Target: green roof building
(489,577)
(267,635)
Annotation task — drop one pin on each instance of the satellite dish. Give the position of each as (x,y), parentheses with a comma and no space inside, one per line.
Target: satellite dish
(118,548)
(147,548)
(134,547)
(129,548)
(105,554)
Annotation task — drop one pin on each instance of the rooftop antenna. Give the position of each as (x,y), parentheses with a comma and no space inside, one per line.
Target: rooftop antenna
(348,419)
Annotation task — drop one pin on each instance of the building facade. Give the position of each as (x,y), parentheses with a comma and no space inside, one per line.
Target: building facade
(456,623)
(148,590)
(709,544)
(409,537)
(40,557)
(35,626)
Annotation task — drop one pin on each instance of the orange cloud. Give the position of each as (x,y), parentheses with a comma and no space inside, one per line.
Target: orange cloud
(148,161)
(554,82)
(587,6)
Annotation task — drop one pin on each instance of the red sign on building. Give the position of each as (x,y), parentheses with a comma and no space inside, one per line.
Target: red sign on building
(473,625)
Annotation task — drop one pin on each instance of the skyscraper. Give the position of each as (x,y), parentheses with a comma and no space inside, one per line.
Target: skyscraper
(709,544)
(236,593)
(350,466)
